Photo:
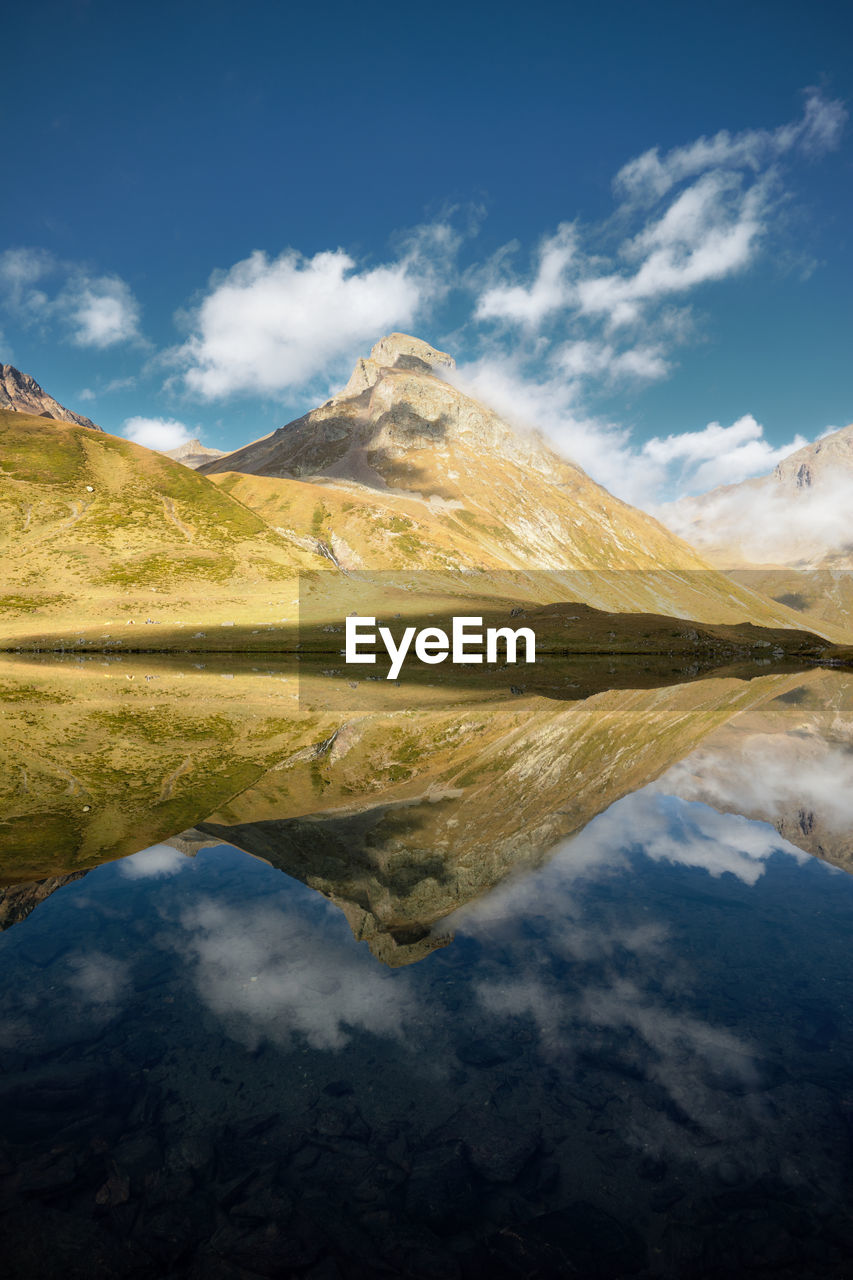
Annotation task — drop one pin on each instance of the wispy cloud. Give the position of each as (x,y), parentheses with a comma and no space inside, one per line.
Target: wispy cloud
(97,311)
(583,319)
(115,384)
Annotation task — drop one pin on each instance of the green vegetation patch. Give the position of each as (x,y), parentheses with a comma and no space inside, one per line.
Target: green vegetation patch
(41,452)
(26,604)
(161,570)
(158,724)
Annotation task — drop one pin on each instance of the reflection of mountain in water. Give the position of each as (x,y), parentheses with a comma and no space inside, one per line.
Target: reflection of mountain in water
(456,828)
(398,817)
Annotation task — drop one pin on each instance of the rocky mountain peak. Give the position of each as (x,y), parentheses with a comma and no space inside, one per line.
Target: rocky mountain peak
(398,351)
(19,393)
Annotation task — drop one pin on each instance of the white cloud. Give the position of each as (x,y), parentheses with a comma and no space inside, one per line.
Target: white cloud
(582,321)
(649,176)
(710,231)
(158,433)
(719,455)
(160,860)
(22,267)
(271,324)
(549,291)
(101,312)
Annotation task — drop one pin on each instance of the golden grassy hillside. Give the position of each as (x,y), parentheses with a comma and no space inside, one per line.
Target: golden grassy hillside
(97,532)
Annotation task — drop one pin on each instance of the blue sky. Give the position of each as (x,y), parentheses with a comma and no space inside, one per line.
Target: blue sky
(626,221)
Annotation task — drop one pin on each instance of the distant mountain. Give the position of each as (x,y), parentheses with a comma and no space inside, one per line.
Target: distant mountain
(193,454)
(798,516)
(788,534)
(19,393)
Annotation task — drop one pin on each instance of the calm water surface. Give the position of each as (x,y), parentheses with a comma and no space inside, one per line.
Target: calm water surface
(634,1061)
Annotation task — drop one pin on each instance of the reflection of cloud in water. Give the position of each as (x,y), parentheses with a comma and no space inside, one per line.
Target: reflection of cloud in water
(97,980)
(159,860)
(613,993)
(669,829)
(267,972)
(754,775)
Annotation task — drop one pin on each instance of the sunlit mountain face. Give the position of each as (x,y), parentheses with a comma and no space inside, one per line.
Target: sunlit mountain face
(511,984)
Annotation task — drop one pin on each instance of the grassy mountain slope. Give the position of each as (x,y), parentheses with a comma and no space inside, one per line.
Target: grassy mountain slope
(97,530)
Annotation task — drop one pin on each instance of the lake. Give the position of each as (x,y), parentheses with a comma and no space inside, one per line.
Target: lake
(299,984)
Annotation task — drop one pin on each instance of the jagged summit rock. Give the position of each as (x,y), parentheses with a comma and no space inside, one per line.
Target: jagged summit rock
(193,454)
(396,351)
(19,393)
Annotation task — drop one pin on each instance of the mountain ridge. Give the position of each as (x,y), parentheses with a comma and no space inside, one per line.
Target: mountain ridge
(402,471)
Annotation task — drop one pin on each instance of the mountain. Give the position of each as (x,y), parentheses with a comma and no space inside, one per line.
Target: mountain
(19,393)
(399,432)
(193,454)
(788,534)
(404,470)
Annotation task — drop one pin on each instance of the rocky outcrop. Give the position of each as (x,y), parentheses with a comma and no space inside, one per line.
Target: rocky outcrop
(22,394)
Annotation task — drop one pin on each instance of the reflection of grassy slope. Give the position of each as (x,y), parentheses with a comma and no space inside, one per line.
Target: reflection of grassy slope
(94,527)
(98,761)
(454,802)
